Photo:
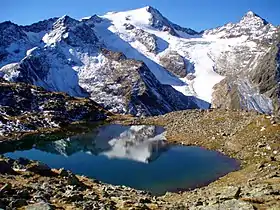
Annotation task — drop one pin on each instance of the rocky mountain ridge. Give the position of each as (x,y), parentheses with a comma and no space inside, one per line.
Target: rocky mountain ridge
(27,109)
(96,57)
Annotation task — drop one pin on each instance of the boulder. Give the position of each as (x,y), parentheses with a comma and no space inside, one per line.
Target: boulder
(6,168)
(40,168)
(39,206)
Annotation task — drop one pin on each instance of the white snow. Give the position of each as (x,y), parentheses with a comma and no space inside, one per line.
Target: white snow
(116,37)
(29,52)
(9,72)
(71,67)
(137,17)
(202,51)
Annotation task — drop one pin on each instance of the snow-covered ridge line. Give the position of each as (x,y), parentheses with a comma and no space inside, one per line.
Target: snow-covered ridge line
(64,54)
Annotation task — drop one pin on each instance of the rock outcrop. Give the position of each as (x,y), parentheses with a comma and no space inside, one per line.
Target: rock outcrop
(254,89)
(25,109)
(176,64)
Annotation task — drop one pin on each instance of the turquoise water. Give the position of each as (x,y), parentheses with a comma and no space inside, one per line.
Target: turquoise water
(134,156)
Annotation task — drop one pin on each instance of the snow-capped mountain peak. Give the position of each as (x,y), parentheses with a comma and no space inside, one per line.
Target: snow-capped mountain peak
(251,25)
(65,21)
(96,57)
(250,13)
(251,19)
(74,32)
(92,20)
(149,17)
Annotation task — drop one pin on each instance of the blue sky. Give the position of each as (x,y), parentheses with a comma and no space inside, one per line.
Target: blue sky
(196,14)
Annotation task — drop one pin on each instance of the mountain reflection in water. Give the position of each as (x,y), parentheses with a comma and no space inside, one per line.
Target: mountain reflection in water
(134,156)
(139,143)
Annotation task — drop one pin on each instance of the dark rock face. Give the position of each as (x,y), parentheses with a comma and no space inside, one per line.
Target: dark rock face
(255,89)
(130,87)
(147,39)
(31,70)
(40,168)
(37,68)
(160,22)
(83,33)
(13,43)
(9,33)
(129,26)
(73,32)
(44,25)
(5,168)
(92,20)
(267,77)
(26,108)
(116,56)
(176,64)
(143,95)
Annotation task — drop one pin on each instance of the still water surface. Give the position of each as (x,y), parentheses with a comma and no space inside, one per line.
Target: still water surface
(135,156)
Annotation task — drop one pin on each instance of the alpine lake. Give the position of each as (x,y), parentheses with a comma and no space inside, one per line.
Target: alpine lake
(134,156)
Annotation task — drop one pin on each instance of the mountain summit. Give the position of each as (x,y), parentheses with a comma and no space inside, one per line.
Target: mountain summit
(250,16)
(251,25)
(139,62)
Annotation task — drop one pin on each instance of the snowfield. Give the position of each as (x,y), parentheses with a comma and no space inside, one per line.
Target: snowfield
(64,55)
(201,50)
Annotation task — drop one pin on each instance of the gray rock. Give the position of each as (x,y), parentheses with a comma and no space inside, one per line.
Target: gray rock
(129,26)
(230,193)
(230,204)
(147,39)
(176,64)
(254,86)
(39,206)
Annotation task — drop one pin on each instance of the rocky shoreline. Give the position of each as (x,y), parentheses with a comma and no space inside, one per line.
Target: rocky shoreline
(252,138)
(247,136)
(30,185)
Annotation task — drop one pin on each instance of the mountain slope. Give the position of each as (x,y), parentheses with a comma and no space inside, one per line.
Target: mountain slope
(231,51)
(27,108)
(71,59)
(182,68)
